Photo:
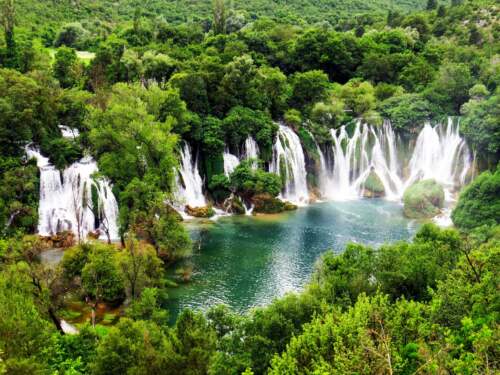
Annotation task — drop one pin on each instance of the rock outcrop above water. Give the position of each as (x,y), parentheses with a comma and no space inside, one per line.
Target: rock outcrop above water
(423,199)
(267,204)
(203,212)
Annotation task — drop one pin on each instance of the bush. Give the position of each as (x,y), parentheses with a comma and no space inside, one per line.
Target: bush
(248,182)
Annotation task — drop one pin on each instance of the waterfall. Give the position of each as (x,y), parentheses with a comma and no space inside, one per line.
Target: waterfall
(66,201)
(439,153)
(188,180)
(68,132)
(288,161)
(230,162)
(251,150)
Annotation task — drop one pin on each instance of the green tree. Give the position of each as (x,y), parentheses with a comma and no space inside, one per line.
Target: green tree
(406,111)
(129,139)
(23,329)
(358,97)
(18,196)
(308,88)
(451,87)
(27,112)
(147,307)
(144,213)
(140,268)
(133,347)
(219,16)
(431,4)
(8,19)
(194,342)
(101,277)
(481,124)
(479,203)
(66,68)
(236,85)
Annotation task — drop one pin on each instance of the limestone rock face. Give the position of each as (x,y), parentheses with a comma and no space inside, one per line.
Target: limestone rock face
(423,199)
(204,212)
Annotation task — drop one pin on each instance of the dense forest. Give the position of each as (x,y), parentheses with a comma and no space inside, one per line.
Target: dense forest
(149,89)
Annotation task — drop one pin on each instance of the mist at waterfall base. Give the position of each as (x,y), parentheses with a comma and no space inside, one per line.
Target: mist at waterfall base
(246,261)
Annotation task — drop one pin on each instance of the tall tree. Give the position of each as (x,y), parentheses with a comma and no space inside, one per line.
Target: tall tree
(8,17)
(219,14)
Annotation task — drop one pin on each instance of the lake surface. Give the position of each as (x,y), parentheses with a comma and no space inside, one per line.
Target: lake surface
(249,261)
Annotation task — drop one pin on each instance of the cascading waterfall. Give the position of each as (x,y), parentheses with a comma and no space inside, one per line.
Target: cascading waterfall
(439,153)
(188,179)
(288,161)
(230,162)
(66,203)
(251,150)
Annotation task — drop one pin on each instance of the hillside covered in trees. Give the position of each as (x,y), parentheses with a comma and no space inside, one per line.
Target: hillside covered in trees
(119,118)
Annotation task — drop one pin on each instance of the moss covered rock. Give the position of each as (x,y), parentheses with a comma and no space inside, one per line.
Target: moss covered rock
(423,199)
(205,212)
(267,204)
(289,206)
(373,186)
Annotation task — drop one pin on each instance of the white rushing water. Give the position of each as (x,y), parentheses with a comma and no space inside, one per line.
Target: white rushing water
(188,180)
(68,132)
(66,201)
(440,153)
(288,158)
(251,150)
(230,162)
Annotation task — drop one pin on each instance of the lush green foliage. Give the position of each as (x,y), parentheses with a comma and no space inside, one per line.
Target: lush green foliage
(430,304)
(479,203)
(248,181)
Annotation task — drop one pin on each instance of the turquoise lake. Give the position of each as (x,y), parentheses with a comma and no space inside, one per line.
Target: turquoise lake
(249,261)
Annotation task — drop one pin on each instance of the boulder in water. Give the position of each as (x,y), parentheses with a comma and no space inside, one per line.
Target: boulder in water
(373,186)
(204,212)
(423,199)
